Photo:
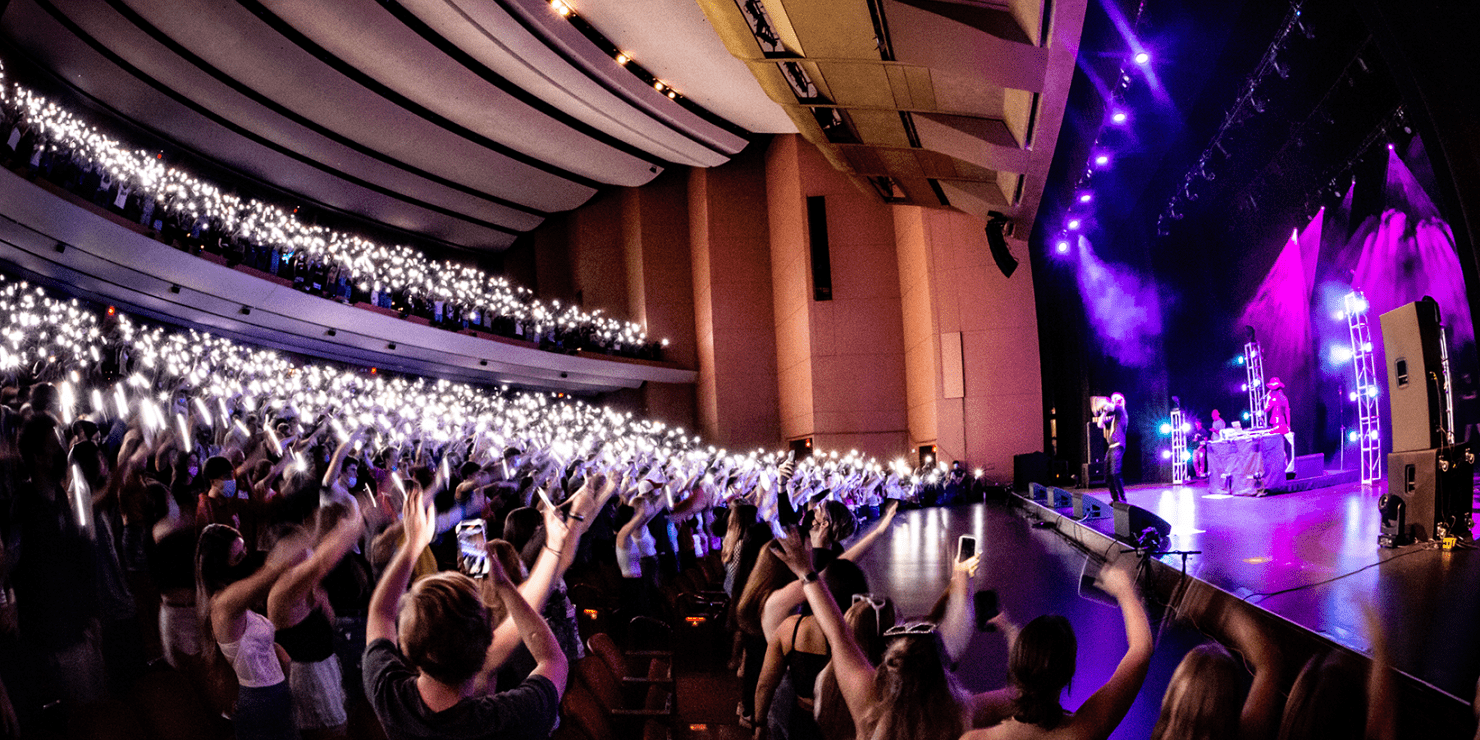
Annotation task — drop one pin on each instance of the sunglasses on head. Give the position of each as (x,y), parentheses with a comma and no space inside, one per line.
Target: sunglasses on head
(912,628)
(874,602)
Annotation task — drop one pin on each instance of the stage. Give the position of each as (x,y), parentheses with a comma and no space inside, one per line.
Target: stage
(1311,557)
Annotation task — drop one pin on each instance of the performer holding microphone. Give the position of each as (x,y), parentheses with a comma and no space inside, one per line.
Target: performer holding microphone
(1112,419)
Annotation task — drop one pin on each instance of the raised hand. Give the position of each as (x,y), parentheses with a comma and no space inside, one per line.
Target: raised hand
(420,517)
(795,551)
(1119,578)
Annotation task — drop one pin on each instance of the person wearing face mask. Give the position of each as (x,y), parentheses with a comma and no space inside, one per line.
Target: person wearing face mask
(219,504)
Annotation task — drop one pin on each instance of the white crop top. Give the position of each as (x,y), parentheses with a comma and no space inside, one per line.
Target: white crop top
(253,657)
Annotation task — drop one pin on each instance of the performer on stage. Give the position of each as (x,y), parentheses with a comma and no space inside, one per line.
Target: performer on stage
(1277,410)
(1218,425)
(1112,419)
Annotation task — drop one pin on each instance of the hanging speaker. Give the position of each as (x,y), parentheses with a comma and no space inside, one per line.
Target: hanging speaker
(997,242)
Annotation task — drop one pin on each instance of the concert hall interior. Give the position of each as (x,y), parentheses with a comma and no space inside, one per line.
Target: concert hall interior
(739,369)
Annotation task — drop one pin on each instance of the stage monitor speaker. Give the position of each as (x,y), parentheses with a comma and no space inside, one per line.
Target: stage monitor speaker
(1058,498)
(1037,492)
(1132,523)
(1410,341)
(1088,507)
(1428,491)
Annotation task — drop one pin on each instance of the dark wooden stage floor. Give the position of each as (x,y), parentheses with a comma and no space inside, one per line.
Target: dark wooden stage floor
(1252,548)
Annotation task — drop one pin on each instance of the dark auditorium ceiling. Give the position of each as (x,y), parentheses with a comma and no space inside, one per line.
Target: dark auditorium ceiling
(470,121)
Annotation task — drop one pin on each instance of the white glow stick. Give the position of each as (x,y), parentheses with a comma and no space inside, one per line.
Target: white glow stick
(184,431)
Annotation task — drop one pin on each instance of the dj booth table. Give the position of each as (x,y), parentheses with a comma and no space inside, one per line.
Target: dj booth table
(1244,463)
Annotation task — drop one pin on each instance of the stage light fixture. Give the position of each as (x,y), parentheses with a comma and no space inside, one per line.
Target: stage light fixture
(1166,454)
(560,7)
(658,86)
(1086,198)
(1120,116)
(1244,387)
(1102,160)
(622,59)
(1073,224)
(1238,360)
(1166,428)
(1372,391)
(1339,316)
(1352,395)
(1246,416)
(1341,354)
(1142,58)
(1063,247)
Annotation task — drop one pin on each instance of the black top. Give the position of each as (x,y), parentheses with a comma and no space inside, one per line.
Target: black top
(527,711)
(803,666)
(172,560)
(309,641)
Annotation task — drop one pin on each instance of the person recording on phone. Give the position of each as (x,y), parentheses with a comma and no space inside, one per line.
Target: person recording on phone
(427,652)
(1112,419)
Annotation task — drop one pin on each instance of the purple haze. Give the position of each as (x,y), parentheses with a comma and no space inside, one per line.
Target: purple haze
(1123,307)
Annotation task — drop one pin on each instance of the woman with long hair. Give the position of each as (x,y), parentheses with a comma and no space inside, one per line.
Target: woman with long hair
(1041,665)
(911,694)
(868,618)
(799,650)
(768,576)
(299,608)
(226,590)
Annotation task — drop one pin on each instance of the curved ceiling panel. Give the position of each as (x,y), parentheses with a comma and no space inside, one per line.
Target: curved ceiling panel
(133,94)
(462,121)
(579,50)
(332,93)
(498,41)
(370,39)
(676,42)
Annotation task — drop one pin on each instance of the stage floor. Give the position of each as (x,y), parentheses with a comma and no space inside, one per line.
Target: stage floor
(1312,558)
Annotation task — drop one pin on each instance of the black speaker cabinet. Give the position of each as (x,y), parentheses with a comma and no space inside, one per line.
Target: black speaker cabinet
(1410,340)
(1133,522)
(1427,489)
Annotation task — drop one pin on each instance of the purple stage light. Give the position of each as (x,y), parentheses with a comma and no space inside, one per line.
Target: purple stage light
(1243,387)
(1239,361)
(1086,198)
(1102,160)
(1166,428)
(1118,117)
(1352,395)
(1166,454)
(1063,247)
(1143,58)
(1073,224)
(1341,354)
(1246,416)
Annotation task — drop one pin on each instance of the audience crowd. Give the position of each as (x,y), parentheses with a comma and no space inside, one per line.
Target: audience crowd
(320,552)
(48,142)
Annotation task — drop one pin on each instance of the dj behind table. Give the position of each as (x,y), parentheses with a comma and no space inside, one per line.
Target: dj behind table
(1246,462)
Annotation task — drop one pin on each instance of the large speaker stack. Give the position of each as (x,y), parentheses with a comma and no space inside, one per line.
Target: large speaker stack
(1430,479)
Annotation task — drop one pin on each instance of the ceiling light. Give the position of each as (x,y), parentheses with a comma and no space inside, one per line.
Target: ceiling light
(1074,224)
(623,58)
(672,94)
(560,7)
(1119,116)
(1142,58)
(1063,247)
(1086,198)
(657,85)
(1102,160)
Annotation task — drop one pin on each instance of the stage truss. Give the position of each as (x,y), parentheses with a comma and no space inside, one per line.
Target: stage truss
(1364,365)
(1448,386)
(1254,374)
(1179,448)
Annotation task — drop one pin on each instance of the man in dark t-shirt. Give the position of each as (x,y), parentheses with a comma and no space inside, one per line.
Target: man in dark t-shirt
(527,711)
(433,688)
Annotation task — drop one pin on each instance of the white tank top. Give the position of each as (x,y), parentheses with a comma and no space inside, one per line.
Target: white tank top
(253,657)
(629,558)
